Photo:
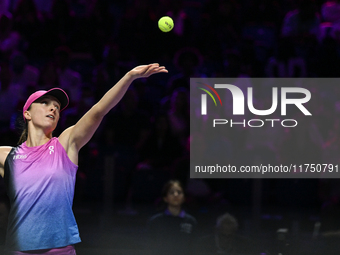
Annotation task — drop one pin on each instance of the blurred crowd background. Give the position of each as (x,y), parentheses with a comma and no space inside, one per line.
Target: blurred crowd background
(86,46)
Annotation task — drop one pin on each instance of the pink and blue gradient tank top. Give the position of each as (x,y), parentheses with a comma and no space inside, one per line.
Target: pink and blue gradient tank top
(40,184)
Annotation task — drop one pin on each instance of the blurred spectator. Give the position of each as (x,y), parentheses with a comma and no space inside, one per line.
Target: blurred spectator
(330,11)
(48,76)
(221,23)
(161,147)
(87,100)
(29,23)
(285,63)
(9,39)
(69,79)
(178,115)
(180,18)
(327,60)
(23,74)
(102,23)
(44,6)
(92,27)
(134,127)
(303,21)
(109,70)
(124,133)
(263,12)
(3,7)
(188,62)
(8,97)
(62,17)
(58,28)
(235,65)
(138,21)
(173,231)
(330,27)
(302,27)
(229,241)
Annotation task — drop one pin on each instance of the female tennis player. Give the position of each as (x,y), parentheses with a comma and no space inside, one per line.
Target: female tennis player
(40,173)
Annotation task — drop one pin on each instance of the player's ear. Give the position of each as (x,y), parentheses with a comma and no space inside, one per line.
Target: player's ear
(27,115)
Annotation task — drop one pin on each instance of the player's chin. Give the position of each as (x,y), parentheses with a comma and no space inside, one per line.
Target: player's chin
(51,127)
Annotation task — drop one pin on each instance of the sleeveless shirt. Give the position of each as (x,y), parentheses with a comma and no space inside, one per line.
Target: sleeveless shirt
(40,184)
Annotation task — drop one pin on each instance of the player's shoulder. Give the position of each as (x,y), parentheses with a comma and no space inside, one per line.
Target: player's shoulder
(64,137)
(4,151)
(2,148)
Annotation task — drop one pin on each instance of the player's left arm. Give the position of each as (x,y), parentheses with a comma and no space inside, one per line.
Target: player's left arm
(75,137)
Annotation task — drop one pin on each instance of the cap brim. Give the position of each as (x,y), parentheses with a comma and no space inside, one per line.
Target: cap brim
(60,95)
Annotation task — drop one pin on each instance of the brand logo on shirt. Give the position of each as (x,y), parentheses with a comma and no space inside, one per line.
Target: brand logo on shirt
(51,148)
(186,228)
(19,156)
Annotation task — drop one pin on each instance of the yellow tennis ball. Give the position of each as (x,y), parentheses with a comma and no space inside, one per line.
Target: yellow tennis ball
(166,24)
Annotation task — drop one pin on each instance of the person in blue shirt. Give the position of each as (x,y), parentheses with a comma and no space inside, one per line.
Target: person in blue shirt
(172,231)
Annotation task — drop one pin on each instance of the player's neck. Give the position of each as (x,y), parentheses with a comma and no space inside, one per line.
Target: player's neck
(37,138)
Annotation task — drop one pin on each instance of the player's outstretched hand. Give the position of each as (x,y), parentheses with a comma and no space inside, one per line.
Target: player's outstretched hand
(147,70)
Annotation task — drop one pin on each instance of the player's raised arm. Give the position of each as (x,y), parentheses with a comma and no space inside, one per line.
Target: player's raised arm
(75,137)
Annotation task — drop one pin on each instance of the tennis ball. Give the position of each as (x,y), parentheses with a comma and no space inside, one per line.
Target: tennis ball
(165,24)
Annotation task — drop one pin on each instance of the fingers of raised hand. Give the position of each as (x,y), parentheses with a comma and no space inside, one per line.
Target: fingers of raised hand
(147,70)
(155,68)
